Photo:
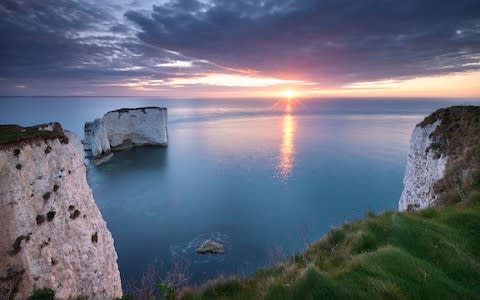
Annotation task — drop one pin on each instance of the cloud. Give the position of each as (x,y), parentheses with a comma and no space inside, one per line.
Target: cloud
(231,81)
(75,40)
(217,79)
(83,44)
(36,36)
(332,41)
(176,64)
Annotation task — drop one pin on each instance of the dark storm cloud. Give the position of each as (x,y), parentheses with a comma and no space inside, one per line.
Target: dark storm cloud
(337,41)
(329,42)
(65,39)
(37,35)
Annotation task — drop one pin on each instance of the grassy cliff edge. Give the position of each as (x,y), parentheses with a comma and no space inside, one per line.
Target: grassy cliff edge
(11,135)
(430,254)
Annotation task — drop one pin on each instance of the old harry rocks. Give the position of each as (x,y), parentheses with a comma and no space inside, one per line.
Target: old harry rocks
(125,128)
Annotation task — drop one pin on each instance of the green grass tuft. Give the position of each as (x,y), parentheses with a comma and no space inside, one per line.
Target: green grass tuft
(14,134)
(43,294)
(431,254)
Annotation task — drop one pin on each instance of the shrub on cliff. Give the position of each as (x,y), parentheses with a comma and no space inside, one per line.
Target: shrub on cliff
(43,294)
(458,137)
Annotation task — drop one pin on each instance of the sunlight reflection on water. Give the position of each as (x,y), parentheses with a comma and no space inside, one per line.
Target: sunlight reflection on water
(250,174)
(287,148)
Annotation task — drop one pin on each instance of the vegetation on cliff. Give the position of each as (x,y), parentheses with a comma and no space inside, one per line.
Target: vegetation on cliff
(458,137)
(430,254)
(14,134)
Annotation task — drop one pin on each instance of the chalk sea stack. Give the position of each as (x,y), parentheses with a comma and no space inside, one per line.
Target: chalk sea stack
(126,128)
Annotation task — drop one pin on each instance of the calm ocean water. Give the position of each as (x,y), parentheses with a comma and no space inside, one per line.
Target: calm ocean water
(261,176)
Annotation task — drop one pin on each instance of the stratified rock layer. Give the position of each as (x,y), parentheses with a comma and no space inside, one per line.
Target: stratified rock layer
(52,234)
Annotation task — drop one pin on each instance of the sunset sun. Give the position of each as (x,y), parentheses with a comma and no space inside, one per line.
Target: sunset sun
(215,149)
(290,93)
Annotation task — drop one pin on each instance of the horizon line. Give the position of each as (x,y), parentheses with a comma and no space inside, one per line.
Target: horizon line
(239,97)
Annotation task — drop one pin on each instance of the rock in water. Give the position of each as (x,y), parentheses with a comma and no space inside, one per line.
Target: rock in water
(52,234)
(209,246)
(126,128)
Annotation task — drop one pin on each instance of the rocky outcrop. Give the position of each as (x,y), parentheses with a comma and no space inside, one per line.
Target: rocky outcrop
(136,127)
(96,139)
(52,234)
(209,246)
(75,141)
(126,128)
(444,160)
(424,169)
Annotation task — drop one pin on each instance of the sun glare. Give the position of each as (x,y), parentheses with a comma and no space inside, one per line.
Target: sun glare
(289,93)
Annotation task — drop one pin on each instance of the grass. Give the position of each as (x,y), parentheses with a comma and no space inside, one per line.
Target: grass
(43,294)
(143,109)
(432,254)
(8,137)
(428,254)
(12,134)
(458,137)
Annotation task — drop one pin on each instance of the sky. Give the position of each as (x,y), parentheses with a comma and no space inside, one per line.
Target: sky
(241,48)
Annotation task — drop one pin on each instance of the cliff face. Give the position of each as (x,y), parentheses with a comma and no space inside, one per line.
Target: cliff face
(424,169)
(136,127)
(96,138)
(444,158)
(126,128)
(52,234)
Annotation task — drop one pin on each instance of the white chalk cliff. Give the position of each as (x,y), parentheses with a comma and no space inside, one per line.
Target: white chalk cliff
(424,169)
(96,139)
(52,234)
(126,128)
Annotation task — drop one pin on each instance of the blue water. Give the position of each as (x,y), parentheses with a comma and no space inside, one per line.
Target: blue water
(260,176)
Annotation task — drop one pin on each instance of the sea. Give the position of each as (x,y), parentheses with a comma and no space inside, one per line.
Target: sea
(264,177)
